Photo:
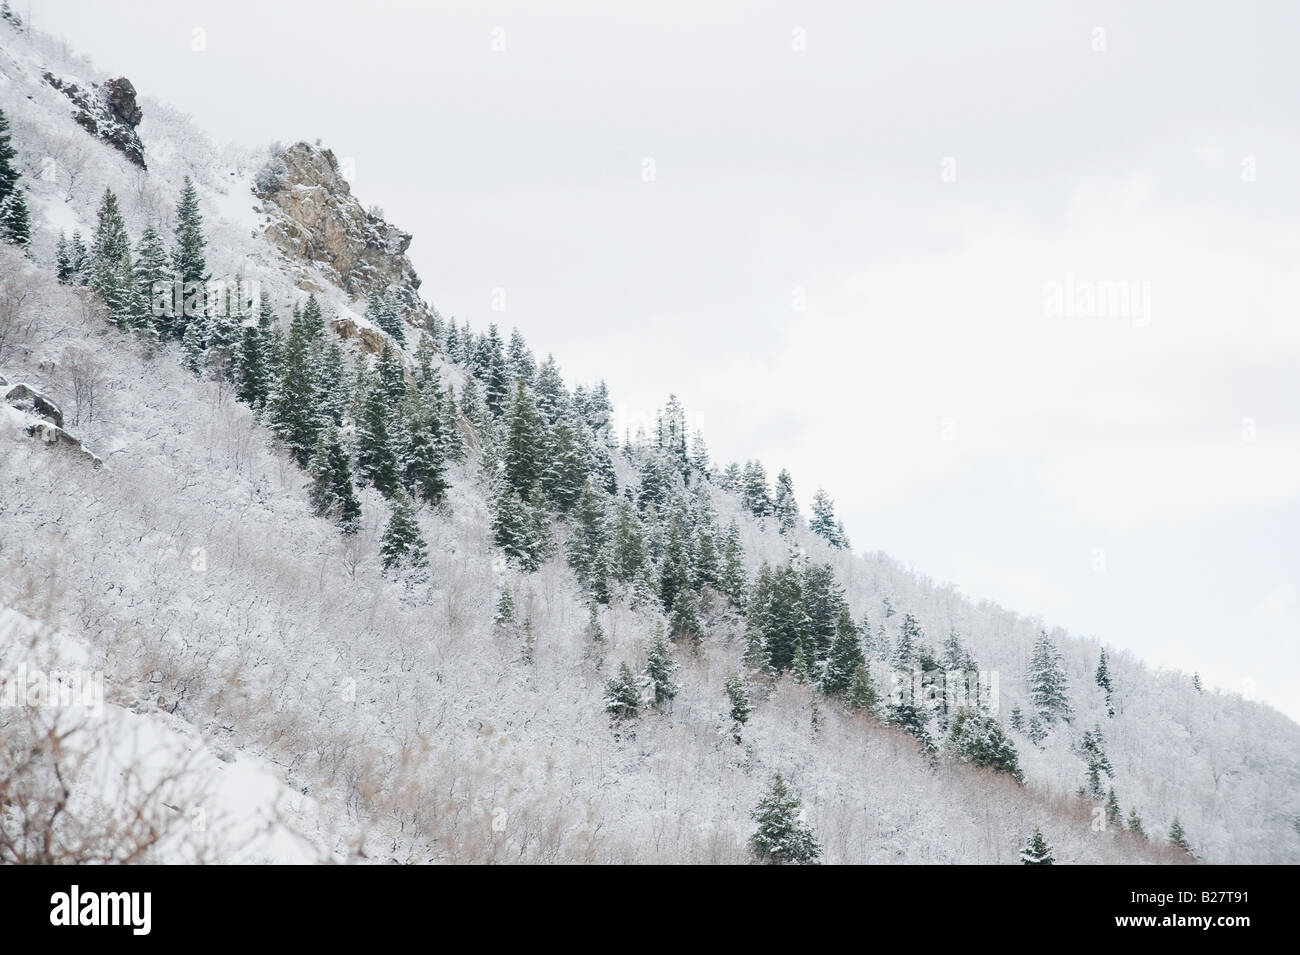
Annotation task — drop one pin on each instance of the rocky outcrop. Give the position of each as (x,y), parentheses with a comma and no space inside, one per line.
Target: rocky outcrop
(108,111)
(370,341)
(316,220)
(41,418)
(54,436)
(26,398)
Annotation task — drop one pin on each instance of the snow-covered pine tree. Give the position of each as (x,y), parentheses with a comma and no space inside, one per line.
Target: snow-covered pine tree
(782,837)
(153,279)
(330,491)
(823,522)
(1103,681)
(623,694)
(659,670)
(740,705)
(784,507)
(753,490)
(845,656)
(15,224)
(588,548)
(1048,688)
(112,275)
(1178,837)
(188,260)
(978,738)
(402,549)
(1037,851)
(377,462)
(861,694)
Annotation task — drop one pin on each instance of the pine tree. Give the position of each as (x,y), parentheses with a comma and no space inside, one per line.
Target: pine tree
(1047,683)
(1091,748)
(629,546)
(330,491)
(978,738)
(754,493)
(823,523)
(15,224)
(659,670)
(782,838)
(402,548)
(192,352)
(253,364)
(187,254)
(845,656)
(1178,838)
(1113,815)
(519,527)
(733,581)
(784,507)
(563,470)
(685,623)
(1134,823)
(523,451)
(589,545)
(63,260)
(15,219)
(376,454)
(1103,681)
(153,278)
(623,694)
(293,413)
(738,698)
(1037,852)
(505,615)
(79,258)
(861,694)
(112,275)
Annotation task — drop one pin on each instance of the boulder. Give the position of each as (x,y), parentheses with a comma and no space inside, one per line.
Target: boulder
(26,398)
(108,111)
(54,436)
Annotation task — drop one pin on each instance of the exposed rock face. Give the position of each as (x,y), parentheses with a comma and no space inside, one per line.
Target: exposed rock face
(55,436)
(26,398)
(108,111)
(318,221)
(370,341)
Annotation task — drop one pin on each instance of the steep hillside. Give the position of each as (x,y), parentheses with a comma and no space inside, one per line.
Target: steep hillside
(264,672)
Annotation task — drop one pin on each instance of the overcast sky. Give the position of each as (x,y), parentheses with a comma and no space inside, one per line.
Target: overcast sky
(860,241)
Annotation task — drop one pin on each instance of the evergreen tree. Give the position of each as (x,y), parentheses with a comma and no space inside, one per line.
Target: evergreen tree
(845,656)
(15,219)
(738,698)
(519,527)
(1178,838)
(589,545)
(377,461)
(423,468)
(79,259)
(253,364)
(754,493)
(187,254)
(192,355)
(861,694)
(782,838)
(153,278)
(623,694)
(15,224)
(1047,684)
(1091,748)
(784,507)
(629,547)
(823,522)
(685,623)
(523,451)
(330,491)
(1103,681)
(62,260)
(978,738)
(1113,816)
(402,548)
(505,615)
(563,470)
(659,670)
(112,275)
(519,359)
(732,582)
(293,401)
(1134,823)
(1037,852)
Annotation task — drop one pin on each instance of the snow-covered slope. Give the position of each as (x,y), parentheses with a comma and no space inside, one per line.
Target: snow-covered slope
(319,710)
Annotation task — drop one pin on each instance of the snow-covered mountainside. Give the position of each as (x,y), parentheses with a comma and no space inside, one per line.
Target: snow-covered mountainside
(284,678)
